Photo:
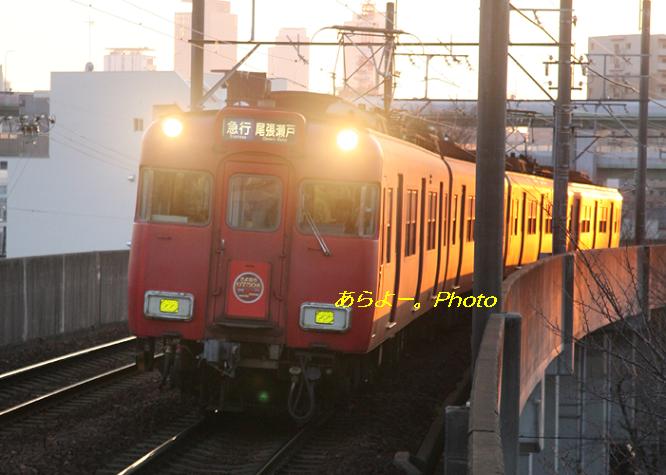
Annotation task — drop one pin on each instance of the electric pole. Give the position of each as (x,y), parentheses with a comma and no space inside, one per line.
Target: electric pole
(388,51)
(641,171)
(490,143)
(562,132)
(197,55)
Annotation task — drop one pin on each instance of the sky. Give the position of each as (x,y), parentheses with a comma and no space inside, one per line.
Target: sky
(40,36)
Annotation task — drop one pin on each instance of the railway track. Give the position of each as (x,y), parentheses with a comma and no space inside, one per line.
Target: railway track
(209,444)
(28,389)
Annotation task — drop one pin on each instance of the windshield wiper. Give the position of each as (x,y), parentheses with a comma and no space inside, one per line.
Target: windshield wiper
(315,231)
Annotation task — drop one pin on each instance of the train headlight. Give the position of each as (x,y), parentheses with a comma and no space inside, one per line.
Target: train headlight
(347,139)
(324,317)
(168,305)
(172,127)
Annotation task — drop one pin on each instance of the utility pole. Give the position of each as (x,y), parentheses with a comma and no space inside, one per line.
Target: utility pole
(388,51)
(197,55)
(490,143)
(562,131)
(641,172)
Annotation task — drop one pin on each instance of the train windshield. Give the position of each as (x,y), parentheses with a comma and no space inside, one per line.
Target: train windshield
(339,209)
(254,202)
(174,196)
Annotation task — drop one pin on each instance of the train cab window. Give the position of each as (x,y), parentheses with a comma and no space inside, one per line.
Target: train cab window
(174,196)
(254,202)
(410,222)
(470,220)
(339,209)
(432,220)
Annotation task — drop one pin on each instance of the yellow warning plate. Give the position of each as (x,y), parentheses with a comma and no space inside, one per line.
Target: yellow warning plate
(324,317)
(168,306)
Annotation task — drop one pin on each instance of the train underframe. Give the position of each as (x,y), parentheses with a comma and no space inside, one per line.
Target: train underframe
(235,376)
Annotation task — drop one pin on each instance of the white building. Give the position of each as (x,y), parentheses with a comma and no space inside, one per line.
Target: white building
(362,62)
(290,62)
(82,197)
(129,59)
(618,58)
(219,24)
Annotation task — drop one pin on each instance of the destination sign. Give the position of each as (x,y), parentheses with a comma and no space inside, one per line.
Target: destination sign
(252,130)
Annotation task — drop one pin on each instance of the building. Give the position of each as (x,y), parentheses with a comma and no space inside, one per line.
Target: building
(362,71)
(618,58)
(219,24)
(81,198)
(129,59)
(290,62)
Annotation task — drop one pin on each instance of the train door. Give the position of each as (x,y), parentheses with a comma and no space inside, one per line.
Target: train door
(595,225)
(251,243)
(610,226)
(461,236)
(440,225)
(523,231)
(574,225)
(398,248)
(508,210)
(540,229)
(419,279)
(387,258)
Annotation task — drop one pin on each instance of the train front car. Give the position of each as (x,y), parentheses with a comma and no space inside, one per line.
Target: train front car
(249,225)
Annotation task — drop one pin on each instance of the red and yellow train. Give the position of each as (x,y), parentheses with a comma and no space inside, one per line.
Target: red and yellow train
(251,222)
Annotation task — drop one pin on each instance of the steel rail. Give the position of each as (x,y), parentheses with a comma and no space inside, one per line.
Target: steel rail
(276,461)
(10,375)
(286,451)
(67,391)
(166,446)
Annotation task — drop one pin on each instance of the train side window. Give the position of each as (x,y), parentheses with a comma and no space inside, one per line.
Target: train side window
(174,196)
(432,220)
(410,222)
(515,217)
(569,220)
(254,202)
(388,207)
(470,220)
(548,223)
(585,222)
(603,221)
(454,221)
(531,217)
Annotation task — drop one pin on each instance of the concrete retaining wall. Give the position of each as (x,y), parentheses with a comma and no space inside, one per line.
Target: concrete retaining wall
(47,295)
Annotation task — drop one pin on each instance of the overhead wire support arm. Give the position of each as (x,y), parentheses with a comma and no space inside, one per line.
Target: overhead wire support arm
(552,99)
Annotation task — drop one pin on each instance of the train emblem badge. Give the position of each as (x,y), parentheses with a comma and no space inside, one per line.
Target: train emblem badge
(248,287)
